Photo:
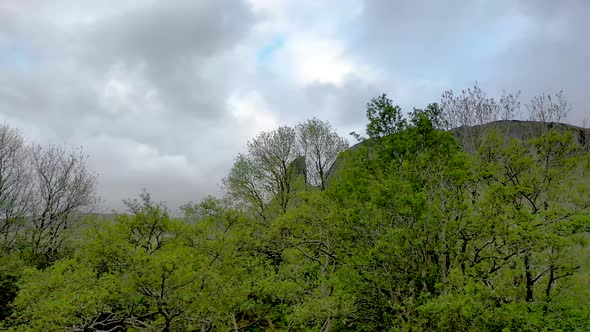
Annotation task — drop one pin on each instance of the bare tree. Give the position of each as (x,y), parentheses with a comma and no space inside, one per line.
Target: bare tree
(62,186)
(548,108)
(320,145)
(15,184)
(467,112)
(473,107)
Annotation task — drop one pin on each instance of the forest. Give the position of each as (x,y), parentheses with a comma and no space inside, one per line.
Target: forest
(470,214)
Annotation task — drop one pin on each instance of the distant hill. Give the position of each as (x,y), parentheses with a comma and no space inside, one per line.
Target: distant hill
(467,135)
(519,130)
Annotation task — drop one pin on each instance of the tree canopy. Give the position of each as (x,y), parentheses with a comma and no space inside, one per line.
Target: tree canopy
(440,221)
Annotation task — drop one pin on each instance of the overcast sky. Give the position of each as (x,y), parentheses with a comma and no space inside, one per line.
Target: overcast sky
(162,95)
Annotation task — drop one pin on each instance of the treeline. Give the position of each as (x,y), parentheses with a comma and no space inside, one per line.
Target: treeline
(417,228)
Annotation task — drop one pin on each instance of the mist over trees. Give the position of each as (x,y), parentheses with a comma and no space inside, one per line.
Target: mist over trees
(451,217)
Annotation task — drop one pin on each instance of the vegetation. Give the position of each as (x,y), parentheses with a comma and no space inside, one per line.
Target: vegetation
(419,228)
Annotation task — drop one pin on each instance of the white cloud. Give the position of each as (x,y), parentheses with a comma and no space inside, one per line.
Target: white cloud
(311,60)
(251,113)
(314,49)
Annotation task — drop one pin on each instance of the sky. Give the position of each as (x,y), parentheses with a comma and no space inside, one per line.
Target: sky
(163,95)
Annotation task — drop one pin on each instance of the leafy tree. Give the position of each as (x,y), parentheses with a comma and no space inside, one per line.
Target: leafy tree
(422,225)
(308,244)
(539,184)
(148,271)
(11,269)
(321,145)
(273,153)
(397,201)
(41,190)
(246,184)
(266,178)
(384,118)
(126,274)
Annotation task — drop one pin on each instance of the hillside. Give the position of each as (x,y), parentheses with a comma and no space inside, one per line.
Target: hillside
(517,129)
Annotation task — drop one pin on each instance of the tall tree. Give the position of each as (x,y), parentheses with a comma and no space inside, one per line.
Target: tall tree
(246,184)
(384,118)
(15,184)
(267,174)
(539,185)
(62,186)
(320,145)
(274,153)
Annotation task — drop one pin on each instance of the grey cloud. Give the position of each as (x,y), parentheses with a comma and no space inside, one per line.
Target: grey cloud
(345,104)
(533,46)
(554,59)
(144,85)
(164,32)
(170,45)
(424,39)
(138,89)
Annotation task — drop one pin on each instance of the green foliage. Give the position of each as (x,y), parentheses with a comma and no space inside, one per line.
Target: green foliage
(320,145)
(148,271)
(411,234)
(384,118)
(11,268)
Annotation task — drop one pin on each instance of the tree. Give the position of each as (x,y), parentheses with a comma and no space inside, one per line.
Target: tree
(15,184)
(430,237)
(149,271)
(15,194)
(397,200)
(246,183)
(539,183)
(468,111)
(274,152)
(321,146)
(548,108)
(40,190)
(473,107)
(413,232)
(384,118)
(267,174)
(122,276)
(62,186)
(308,240)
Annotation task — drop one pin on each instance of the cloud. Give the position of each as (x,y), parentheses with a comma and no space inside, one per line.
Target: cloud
(139,88)
(552,57)
(253,114)
(164,94)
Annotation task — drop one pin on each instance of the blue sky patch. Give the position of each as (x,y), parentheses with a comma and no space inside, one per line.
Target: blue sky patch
(16,55)
(265,53)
